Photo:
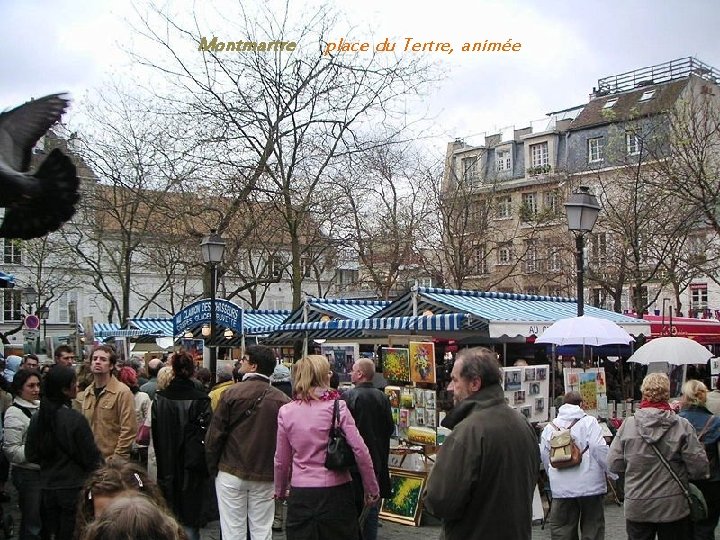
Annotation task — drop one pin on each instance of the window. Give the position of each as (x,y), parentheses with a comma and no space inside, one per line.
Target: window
(503,209)
(539,156)
(503,161)
(275,266)
(479,261)
(595,149)
(12,250)
(63,306)
(505,253)
(306,265)
(531,259)
(699,297)
(598,251)
(346,276)
(600,298)
(632,143)
(648,95)
(528,209)
(554,260)
(12,305)
(156,310)
(610,103)
(470,169)
(550,201)
(424,282)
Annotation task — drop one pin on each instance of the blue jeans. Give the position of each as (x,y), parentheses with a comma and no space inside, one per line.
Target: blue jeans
(27,484)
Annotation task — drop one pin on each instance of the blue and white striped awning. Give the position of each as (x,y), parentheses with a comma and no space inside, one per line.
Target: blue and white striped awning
(263,318)
(152,326)
(336,308)
(104,330)
(506,314)
(358,327)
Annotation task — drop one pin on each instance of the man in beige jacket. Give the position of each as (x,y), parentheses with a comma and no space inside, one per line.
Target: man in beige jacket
(109,406)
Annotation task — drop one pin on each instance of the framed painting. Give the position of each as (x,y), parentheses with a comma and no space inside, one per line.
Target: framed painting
(396,364)
(405,503)
(422,362)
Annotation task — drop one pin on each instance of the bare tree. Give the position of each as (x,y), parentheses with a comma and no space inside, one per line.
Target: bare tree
(277,121)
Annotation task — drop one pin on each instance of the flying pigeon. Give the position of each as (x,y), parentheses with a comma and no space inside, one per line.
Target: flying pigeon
(39,203)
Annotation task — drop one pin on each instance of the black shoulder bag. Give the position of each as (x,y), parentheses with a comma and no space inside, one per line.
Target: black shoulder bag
(695,498)
(339,453)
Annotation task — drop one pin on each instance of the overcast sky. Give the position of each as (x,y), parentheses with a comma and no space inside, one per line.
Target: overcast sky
(71,45)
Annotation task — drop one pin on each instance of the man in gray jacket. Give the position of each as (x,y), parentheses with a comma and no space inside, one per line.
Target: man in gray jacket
(483,480)
(654,502)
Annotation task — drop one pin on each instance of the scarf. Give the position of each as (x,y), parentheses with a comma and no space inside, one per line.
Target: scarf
(324,394)
(662,405)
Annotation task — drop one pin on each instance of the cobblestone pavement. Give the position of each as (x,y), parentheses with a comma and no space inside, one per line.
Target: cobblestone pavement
(430,529)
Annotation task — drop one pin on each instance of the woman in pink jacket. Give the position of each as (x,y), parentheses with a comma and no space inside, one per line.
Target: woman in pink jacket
(320,504)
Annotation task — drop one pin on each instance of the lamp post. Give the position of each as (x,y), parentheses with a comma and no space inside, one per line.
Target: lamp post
(44,314)
(582,210)
(212,248)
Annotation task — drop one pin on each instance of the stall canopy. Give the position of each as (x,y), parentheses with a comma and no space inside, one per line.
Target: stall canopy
(502,315)
(317,309)
(704,331)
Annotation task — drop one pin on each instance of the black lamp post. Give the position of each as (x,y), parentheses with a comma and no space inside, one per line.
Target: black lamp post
(44,314)
(582,211)
(212,247)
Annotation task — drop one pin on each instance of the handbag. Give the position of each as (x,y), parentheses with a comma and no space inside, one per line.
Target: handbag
(143,435)
(339,453)
(695,498)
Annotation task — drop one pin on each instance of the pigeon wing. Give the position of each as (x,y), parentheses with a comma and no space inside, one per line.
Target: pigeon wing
(22,127)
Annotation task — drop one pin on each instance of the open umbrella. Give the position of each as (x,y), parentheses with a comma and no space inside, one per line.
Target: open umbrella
(677,351)
(585,330)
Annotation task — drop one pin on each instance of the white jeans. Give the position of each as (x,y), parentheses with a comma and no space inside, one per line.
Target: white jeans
(240,501)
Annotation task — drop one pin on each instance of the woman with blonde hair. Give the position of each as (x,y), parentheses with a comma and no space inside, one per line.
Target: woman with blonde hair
(320,503)
(654,502)
(707,428)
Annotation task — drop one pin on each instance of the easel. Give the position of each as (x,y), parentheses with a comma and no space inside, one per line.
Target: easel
(405,449)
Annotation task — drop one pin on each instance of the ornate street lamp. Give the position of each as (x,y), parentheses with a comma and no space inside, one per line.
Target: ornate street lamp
(212,248)
(582,210)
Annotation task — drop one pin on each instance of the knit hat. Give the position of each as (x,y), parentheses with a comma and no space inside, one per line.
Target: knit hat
(280,374)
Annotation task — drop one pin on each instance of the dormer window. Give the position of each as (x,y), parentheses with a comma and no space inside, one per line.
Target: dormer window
(648,95)
(610,103)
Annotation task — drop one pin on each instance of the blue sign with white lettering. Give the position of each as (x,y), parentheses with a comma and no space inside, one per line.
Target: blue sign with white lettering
(227,314)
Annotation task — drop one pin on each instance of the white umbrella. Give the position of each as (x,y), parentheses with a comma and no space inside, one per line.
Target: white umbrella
(677,351)
(585,330)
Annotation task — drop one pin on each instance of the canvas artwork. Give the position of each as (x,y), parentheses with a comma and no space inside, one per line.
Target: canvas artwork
(430,399)
(588,390)
(422,362)
(404,418)
(405,503)
(519,397)
(715,366)
(541,373)
(571,378)
(396,364)
(513,379)
(539,404)
(419,416)
(407,398)
(600,382)
(393,394)
(395,414)
(526,412)
(530,374)
(430,418)
(602,406)
(419,397)
(534,389)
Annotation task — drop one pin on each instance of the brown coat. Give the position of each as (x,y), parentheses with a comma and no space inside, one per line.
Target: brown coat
(111,418)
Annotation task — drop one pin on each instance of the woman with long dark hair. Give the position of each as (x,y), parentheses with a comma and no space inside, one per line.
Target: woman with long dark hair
(25,475)
(60,440)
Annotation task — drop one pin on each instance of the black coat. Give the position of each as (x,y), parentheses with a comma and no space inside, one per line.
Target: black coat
(371,410)
(185,490)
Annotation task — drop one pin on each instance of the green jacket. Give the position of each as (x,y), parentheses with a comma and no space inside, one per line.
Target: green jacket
(483,481)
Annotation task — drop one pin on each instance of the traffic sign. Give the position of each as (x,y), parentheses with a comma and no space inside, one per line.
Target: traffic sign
(32,322)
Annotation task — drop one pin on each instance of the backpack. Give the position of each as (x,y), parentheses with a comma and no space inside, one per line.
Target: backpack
(564,451)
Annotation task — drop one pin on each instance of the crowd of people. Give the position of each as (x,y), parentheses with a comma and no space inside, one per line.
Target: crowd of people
(87,443)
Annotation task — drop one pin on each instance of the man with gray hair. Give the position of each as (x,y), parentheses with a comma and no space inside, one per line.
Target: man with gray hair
(484,477)
(578,491)
(150,387)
